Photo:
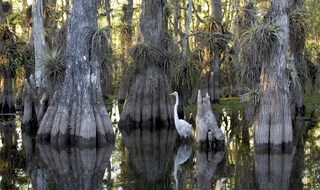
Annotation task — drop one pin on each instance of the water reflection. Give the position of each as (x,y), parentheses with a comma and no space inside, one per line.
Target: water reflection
(183,154)
(150,157)
(273,171)
(66,168)
(206,166)
(11,157)
(145,159)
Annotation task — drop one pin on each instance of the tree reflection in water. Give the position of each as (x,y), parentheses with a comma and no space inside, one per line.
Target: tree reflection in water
(144,159)
(206,166)
(67,168)
(150,157)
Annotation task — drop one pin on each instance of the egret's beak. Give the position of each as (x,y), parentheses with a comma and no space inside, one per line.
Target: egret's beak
(171,94)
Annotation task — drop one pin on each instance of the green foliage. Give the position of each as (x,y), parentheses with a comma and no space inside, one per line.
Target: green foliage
(187,74)
(258,42)
(97,40)
(107,63)
(250,95)
(229,104)
(145,52)
(55,64)
(293,75)
(10,52)
(312,103)
(213,35)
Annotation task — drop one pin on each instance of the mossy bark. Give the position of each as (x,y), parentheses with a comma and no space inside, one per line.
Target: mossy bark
(77,113)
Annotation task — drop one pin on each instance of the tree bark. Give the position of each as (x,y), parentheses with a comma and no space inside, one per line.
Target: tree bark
(186,32)
(148,102)
(272,123)
(38,40)
(35,86)
(77,113)
(208,131)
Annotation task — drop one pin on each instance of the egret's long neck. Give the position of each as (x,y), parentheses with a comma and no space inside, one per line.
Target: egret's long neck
(176,107)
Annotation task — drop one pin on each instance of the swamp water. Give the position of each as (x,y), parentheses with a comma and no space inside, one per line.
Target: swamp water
(144,159)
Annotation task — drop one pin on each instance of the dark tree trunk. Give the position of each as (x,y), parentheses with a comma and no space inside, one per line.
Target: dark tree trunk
(2,17)
(77,113)
(212,54)
(297,37)
(148,102)
(7,100)
(126,41)
(272,123)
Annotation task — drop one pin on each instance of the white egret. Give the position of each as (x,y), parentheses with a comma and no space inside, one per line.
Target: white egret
(183,127)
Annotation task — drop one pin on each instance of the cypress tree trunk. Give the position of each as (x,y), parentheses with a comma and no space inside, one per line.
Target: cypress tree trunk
(35,96)
(272,123)
(297,37)
(6,97)
(77,113)
(148,102)
(126,41)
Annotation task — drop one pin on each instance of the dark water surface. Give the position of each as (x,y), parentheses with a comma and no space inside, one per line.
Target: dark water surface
(144,159)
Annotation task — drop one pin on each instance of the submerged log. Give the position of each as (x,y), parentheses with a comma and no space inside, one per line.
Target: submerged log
(207,129)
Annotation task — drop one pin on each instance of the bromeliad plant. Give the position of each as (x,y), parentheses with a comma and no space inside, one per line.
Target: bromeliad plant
(258,41)
(54,62)
(97,40)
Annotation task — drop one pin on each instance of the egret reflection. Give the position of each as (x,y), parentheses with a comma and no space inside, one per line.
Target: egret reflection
(183,154)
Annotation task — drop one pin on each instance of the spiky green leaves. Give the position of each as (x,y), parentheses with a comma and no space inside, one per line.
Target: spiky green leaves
(55,65)
(258,42)
(187,74)
(97,40)
(144,54)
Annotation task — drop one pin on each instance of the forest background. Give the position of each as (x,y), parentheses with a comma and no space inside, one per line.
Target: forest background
(191,34)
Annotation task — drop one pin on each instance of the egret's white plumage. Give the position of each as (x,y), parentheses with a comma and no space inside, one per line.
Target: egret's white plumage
(183,127)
